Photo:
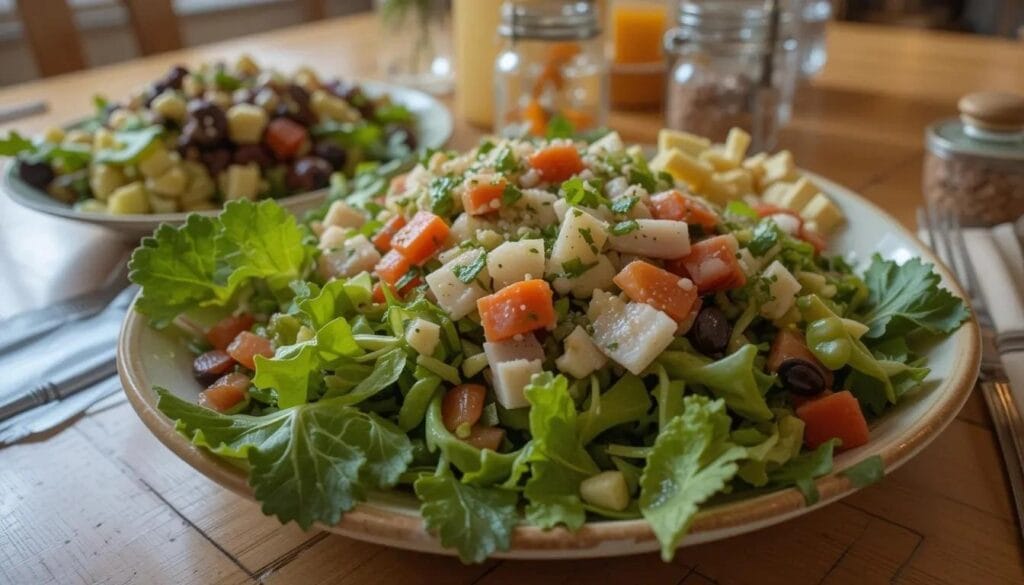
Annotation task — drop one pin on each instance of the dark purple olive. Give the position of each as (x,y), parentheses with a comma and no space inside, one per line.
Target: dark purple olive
(801,377)
(216,160)
(252,153)
(711,331)
(308,173)
(207,125)
(300,114)
(38,174)
(171,80)
(357,99)
(332,153)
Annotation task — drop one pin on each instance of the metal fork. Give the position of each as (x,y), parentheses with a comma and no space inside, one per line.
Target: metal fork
(947,240)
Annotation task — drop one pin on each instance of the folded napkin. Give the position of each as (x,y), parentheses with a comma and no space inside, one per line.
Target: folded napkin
(50,416)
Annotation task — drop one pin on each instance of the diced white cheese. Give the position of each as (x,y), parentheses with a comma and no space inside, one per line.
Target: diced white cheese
(690,144)
(736,144)
(423,336)
(509,379)
(581,357)
(583,286)
(683,167)
(779,167)
(747,262)
(516,261)
(607,489)
(355,255)
(797,196)
(561,207)
(527,348)
(536,207)
(775,192)
(453,295)
(464,228)
(632,334)
(610,142)
(786,223)
(344,215)
(718,160)
(825,215)
(332,237)
(655,238)
(580,238)
(783,287)
(242,181)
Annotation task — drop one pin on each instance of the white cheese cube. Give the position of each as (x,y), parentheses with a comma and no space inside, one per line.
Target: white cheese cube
(170,105)
(515,261)
(779,167)
(610,142)
(685,142)
(509,379)
(632,334)
(423,336)
(170,184)
(155,161)
(104,180)
(580,238)
(344,215)
(718,160)
(561,207)
(783,287)
(797,196)
(596,277)
(825,215)
(581,357)
(246,123)
(786,223)
(736,144)
(243,181)
(655,238)
(683,167)
(607,489)
(527,348)
(347,257)
(453,295)
(774,193)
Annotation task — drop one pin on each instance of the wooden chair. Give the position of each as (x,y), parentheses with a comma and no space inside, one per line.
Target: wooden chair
(155,25)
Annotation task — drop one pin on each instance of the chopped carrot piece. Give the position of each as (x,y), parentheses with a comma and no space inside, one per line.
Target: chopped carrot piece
(392,267)
(646,283)
(226,393)
(285,138)
(225,330)
(536,117)
(712,265)
(579,119)
(836,416)
(483,198)
(486,437)
(463,405)
(557,163)
(518,308)
(382,239)
(676,206)
(247,345)
(421,238)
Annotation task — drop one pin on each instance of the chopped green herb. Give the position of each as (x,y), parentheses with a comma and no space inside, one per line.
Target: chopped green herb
(623,205)
(440,191)
(560,127)
(624,227)
(576,267)
(579,192)
(467,273)
(510,195)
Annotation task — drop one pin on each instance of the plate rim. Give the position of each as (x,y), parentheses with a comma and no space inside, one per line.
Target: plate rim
(370,521)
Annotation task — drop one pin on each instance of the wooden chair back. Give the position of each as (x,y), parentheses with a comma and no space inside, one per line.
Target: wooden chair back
(49,26)
(155,25)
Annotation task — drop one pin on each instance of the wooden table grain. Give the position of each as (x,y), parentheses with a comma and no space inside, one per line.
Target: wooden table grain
(102,501)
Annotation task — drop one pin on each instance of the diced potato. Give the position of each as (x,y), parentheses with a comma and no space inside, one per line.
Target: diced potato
(739,180)
(465,228)
(632,334)
(515,261)
(783,287)
(537,207)
(243,182)
(610,142)
(192,86)
(155,161)
(221,99)
(798,195)
(158,204)
(104,179)
(170,105)
(307,79)
(344,215)
(779,167)
(423,336)
(333,237)
(489,238)
(331,107)
(755,164)
(718,160)
(595,278)
(607,489)
(685,142)
(53,134)
(103,138)
(580,238)
(775,192)
(510,378)
(736,145)
(246,123)
(129,199)
(561,207)
(655,238)
(683,167)
(170,184)
(246,66)
(453,295)
(78,137)
(527,348)
(345,257)
(823,213)
(581,357)
(200,188)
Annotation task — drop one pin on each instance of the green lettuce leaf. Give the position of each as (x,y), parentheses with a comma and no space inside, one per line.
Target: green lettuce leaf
(908,298)
(474,520)
(478,466)
(733,378)
(131,145)
(692,460)
(309,463)
(626,401)
(14,144)
(781,445)
(867,472)
(802,470)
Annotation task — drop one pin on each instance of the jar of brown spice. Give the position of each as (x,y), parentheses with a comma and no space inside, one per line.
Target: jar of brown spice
(975,163)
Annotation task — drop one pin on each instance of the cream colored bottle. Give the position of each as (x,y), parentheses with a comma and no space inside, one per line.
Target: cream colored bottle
(476,47)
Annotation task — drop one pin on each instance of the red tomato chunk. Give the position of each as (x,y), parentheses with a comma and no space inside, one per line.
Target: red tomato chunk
(247,346)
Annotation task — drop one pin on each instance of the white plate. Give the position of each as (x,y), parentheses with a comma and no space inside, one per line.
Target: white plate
(434,128)
(147,357)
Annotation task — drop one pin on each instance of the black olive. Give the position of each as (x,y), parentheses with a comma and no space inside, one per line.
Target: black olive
(298,94)
(300,114)
(210,366)
(400,134)
(252,153)
(38,174)
(207,125)
(711,331)
(801,377)
(171,80)
(331,152)
(308,173)
(216,160)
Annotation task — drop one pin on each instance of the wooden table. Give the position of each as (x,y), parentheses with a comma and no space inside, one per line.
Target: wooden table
(102,501)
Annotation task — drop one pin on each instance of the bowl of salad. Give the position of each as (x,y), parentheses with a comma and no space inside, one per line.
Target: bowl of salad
(550,348)
(201,136)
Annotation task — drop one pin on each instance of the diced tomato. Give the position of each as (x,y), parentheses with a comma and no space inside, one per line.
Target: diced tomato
(712,265)
(676,206)
(836,416)
(518,308)
(463,405)
(382,239)
(226,393)
(247,346)
(285,138)
(677,266)
(646,283)
(789,344)
(557,163)
(483,198)
(212,365)
(392,267)
(419,239)
(486,437)
(225,330)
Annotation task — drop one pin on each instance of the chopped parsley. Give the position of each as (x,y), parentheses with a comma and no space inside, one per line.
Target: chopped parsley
(622,205)
(624,227)
(576,267)
(642,177)
(467,273)
(506,161)
(560,127)
(485,147)
(510,195)
(579,192)
(440,191)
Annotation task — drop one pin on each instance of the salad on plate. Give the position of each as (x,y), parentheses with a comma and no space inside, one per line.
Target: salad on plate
(541,332)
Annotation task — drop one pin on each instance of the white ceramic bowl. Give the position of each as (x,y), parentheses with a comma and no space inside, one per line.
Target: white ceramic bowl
(147,357)
(434,128)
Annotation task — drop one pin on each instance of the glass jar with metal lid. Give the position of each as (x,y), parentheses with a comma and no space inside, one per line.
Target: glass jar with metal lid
(975,163)
(732,63)
(551,76)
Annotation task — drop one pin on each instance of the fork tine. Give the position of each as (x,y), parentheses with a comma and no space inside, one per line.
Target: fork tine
(973,284)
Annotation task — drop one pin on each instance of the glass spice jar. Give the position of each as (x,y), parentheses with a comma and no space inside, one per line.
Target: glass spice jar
(551,76)
(731,63)
(974,164)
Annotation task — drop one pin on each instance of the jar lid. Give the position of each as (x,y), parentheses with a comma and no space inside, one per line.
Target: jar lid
(551,21)
(991,125)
